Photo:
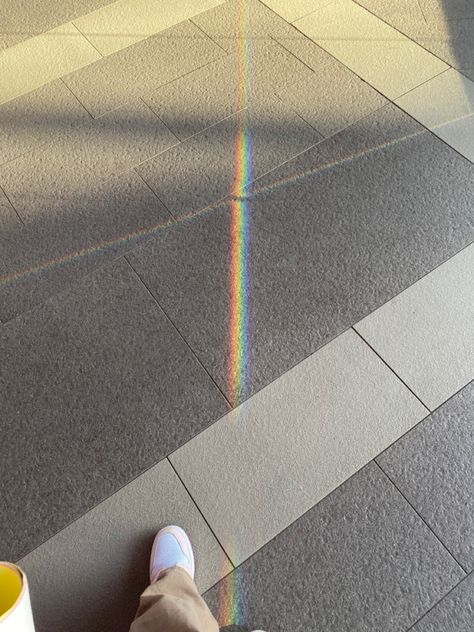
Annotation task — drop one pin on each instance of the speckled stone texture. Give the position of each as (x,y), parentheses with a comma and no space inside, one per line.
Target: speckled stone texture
(95,387)
(455,612)
(335,233)
(360,561)
(433,466)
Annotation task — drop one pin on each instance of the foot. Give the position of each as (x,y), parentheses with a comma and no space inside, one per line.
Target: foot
(171,548)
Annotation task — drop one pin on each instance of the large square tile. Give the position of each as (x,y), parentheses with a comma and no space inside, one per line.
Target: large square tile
(34,62)
(141,68)
(360,561)
(126,22)
(381,55)
(433,466)
(96,386)
(455,612)
(333,234)
(102,559)
(39,183)
(287,447)
(204,168)
(445,105)
(426,333)
(94,225)
(37,118)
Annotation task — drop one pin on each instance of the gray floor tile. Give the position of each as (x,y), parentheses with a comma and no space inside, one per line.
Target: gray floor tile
(455,612)
(294,442)
(331,98)
(334,234)
(433,466)
(227,25)
(48,255)
(96,386)
(360,561)
(37,118)
(39,182)
(90,575)
(139,69)
(208,95)
(203,169)
(426,333)
(447,9)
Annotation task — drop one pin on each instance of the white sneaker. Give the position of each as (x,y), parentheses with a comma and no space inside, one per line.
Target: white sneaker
(171,548)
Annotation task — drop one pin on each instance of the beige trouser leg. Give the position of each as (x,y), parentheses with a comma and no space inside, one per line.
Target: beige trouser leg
(173,604)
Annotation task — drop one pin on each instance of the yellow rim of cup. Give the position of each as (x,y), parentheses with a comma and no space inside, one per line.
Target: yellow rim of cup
(12,588)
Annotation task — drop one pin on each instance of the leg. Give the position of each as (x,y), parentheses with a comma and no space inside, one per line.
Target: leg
(172,602)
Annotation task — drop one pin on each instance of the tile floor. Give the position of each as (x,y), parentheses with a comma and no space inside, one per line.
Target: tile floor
(237,293)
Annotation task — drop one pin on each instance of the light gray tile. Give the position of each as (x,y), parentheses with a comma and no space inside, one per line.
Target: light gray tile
(294,442)
(96,386)
(381,55)
(139,69)
(208,95)
(360,561)
(233,21)
(433,466)
(37,118)
(426,333)
(90,575)
(203,169)
(96,225)
(445,105)
(331,98)
(455,612)
(39,183)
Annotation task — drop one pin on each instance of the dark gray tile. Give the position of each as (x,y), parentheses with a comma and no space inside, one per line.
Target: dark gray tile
(94,225)
(433,466)
(95,387)
(334,234)
(455,612)
(204,168)
(360,561)
(38,182)
(37,118)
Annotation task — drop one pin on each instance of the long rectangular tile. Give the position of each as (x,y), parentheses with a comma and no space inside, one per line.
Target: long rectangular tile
(454,612)
(97,567)
(210,94)
(290,445)
(40,182)
(96,387)
(426,333)
(360,560)
(384,57)
(126,22)
(141,68)
(50,254)
(433,466)
(203,168)
(333,234)
(445,104)
(37,118)
(39,60)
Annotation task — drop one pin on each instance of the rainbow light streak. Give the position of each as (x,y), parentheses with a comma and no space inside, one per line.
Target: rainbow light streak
(231,600)
(239,351)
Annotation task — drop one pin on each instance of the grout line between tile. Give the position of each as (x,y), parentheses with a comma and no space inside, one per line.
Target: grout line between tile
(11,204)
(177,331)
(76,97)
(412,627)
(207,34)
(202,515)
(420,516)
(86,38)
(389,367)
(172,217)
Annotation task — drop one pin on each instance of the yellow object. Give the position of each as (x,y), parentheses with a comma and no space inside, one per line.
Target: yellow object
(11,588)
